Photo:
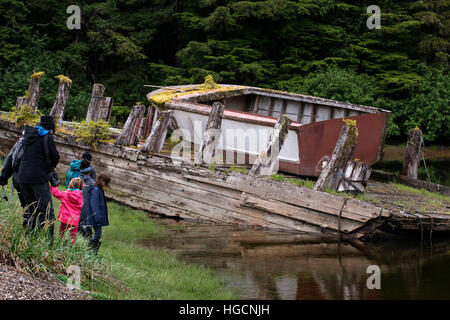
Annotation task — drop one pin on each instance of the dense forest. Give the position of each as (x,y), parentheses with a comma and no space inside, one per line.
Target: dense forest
(317,47)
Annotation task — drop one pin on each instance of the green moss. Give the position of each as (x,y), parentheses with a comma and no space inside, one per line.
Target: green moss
(422,191)
(25,115)
(92,133)
(64,79)
(37,75)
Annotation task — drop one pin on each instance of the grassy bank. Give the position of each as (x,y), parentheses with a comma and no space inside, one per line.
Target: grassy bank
(123,269)
(148,273)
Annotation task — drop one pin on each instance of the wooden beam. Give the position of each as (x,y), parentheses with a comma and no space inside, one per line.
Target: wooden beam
(62,94)
(155,140)
(267,160)
(207,152)
(106,105)
(412,153)
(96,102)
(129,132)
(356,175)
(333,173)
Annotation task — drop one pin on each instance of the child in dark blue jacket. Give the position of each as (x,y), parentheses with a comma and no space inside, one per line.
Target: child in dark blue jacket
(98,216)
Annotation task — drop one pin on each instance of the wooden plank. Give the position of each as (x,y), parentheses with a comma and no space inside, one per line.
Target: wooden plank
(62,95)
(267,161)
(210,139)
(96,102)
(308,216)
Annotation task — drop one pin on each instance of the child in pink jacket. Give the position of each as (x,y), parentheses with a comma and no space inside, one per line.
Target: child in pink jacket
(70,208)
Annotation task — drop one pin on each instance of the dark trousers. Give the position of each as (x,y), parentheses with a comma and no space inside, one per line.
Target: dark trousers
(38,201)
(16,185)
(97,234)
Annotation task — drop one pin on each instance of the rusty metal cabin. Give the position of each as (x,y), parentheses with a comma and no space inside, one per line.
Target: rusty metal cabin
(312,134)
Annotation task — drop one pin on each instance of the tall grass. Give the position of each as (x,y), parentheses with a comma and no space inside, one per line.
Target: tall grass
(35,252)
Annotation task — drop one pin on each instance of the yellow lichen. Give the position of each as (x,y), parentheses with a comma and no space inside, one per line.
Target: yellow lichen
(37,75)
(209,83)
(166,95)
(64,79)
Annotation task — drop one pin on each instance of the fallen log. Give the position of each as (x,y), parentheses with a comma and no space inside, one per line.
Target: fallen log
(207,152)
(333,173)
(267,161)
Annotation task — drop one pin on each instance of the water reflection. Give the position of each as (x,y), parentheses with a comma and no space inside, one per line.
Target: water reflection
(271,265)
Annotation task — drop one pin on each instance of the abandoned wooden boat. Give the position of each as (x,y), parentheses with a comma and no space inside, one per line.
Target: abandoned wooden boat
(250,114)
(154,183)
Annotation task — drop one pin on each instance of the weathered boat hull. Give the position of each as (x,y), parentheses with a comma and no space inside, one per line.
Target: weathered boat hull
(156,184)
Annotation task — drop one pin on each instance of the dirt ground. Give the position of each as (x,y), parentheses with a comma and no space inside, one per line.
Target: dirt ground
(15,285)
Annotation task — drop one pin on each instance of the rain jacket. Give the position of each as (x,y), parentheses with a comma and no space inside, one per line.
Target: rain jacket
(33,167)
(71,204)
(98,216)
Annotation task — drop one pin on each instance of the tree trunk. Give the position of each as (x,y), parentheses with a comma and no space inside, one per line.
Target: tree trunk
(128,134)
(267,161)
(333,173)
(96,102)
(412,153)
(62,94)
(155,140)
(207,152)
(356,175)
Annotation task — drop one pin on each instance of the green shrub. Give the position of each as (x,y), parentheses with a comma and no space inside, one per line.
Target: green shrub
(25,115)
(92,133)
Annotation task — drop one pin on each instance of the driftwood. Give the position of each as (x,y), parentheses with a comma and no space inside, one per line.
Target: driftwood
(60,102)
(267,161)
(155,140)
(207,152)
(412,153)
(129,132)
(333,173)
(32,96)
(356,175)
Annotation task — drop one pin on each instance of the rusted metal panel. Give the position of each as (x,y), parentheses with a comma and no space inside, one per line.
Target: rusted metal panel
(317,141)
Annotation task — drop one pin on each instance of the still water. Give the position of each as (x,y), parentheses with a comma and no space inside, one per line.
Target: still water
(271,265)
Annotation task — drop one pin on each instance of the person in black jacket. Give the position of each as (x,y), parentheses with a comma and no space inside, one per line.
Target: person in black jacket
(33,173)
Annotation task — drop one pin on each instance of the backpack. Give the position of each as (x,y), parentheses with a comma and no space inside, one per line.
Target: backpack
(73,172)
(17,153)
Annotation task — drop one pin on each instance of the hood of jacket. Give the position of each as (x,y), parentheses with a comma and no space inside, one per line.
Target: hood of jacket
(31,136)
(74,197)
(75,165)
